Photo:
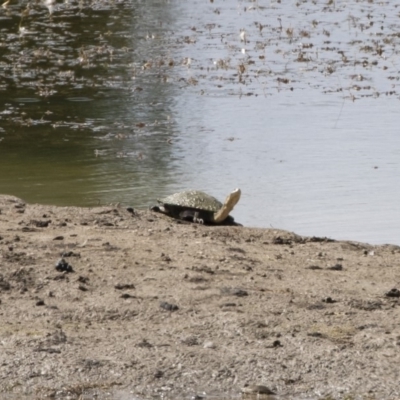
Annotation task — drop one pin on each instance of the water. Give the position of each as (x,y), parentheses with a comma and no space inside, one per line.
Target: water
(127,101)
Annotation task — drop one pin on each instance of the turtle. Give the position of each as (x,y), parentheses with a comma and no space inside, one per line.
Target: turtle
(197,206)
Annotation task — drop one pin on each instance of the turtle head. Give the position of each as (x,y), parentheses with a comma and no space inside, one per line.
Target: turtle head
(227,207)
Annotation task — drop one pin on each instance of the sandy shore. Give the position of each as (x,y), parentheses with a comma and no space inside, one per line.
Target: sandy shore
(104,300)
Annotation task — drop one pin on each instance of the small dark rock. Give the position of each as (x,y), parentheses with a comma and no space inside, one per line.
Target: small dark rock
(122,286)
(234,292)
(127,296)
(59,238)
(40,224)
(83,279)
(240,292)
(83,288)
(329,300)
(165,257)
(228,305)
(28,229)
(205,269)
(315,334)
(336,267)
(158,374)
(277,343)
(107,223)
(63,266)
(280,240)
(196,279)
(169,307)
(70,254)
(393,293)
(144,343)
(40,303)
(314,267)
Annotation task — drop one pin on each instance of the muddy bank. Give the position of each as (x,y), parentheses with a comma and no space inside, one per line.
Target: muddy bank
(106,299)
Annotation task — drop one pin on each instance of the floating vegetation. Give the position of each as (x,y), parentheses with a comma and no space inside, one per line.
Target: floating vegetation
(51,51)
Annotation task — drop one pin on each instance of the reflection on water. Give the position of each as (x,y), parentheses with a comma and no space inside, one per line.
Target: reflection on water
(128,101)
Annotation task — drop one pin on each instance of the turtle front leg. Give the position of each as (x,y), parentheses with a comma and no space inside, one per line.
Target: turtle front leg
(197,220)
(192,216)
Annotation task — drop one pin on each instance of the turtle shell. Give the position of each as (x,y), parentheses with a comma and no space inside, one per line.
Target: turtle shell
(192,199)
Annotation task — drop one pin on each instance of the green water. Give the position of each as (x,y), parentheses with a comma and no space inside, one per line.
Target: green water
(125,102)
(75,127)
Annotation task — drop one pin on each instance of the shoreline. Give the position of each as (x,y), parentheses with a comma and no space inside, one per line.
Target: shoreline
(151,306)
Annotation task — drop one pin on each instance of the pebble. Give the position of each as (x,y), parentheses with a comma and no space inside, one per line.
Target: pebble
(63,266)
(393,293)
(168,306)
(336,267)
